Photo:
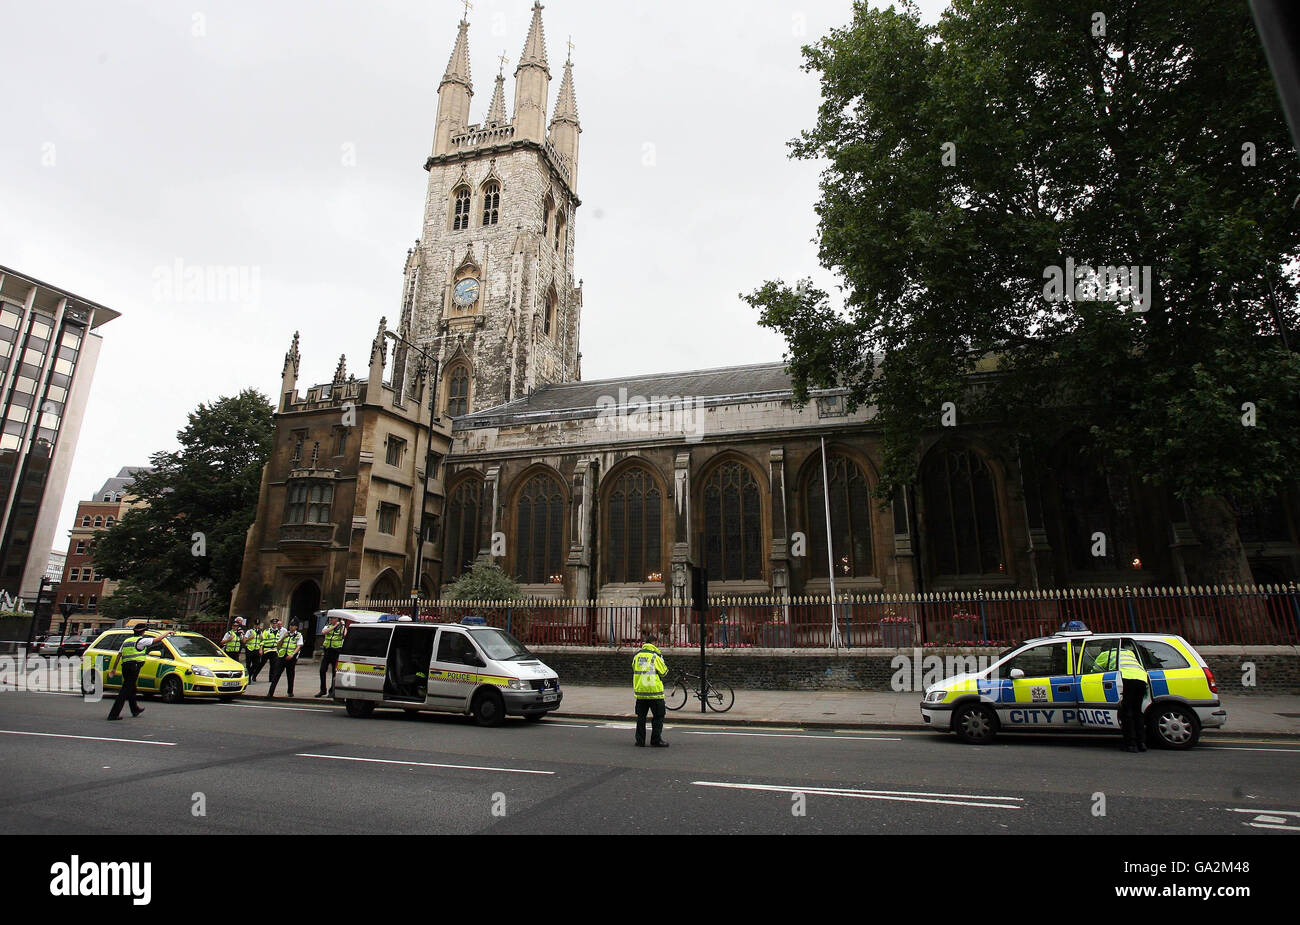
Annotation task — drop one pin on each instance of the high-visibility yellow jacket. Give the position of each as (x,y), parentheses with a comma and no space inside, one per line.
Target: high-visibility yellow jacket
(333,637)
(648,669)
(1130,668)
(290,643)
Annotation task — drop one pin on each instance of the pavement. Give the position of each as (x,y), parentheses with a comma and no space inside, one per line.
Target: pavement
(1253,714)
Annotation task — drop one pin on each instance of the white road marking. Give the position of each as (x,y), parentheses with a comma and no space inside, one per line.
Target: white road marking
(426,764)
(55,735)
(1272,819)
(797,735)
(957,799)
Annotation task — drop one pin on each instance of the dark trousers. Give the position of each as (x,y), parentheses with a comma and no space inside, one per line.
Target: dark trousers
(283,666)
(657,728)
(1130,713)
(130,672)
(254,664)
(329,660)
(275,667)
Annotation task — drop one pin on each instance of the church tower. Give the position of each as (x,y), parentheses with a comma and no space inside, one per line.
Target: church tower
(489,287)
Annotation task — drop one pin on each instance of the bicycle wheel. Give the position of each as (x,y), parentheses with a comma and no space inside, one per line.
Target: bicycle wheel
(720,697)
(675,697)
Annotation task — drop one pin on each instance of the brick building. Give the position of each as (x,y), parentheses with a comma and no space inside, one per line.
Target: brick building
(81,584)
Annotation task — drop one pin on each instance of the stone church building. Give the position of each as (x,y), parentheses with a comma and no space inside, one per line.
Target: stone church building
(608,490)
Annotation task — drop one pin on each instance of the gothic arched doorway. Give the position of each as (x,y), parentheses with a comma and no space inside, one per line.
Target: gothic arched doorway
(302,607)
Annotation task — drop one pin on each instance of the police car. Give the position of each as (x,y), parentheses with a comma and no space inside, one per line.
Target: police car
(1070,681)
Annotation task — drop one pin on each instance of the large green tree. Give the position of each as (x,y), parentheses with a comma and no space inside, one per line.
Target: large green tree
(967,158)
(199,503)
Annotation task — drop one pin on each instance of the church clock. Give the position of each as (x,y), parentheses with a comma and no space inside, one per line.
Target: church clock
(466,293)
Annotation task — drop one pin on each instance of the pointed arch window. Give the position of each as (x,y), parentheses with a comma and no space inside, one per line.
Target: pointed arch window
(561,225)
(458,391)
(634,529)
(460,215)
(961,516)
(733,524)
(539,530)
(491,203)
(850,503)
(462,527)
(548,206)
(548,318)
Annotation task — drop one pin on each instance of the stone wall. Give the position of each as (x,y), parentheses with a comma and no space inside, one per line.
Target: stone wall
(1277,668)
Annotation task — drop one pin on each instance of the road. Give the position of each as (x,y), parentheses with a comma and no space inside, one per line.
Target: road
(258,768)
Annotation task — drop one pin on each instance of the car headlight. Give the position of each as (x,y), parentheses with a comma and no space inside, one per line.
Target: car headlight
(517,685)
(200,670)
(935,696)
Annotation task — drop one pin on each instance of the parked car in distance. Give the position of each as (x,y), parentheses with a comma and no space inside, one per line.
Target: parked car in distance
(74,645)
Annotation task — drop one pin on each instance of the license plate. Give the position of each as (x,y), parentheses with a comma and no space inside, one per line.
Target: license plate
(548,696)
(230,685)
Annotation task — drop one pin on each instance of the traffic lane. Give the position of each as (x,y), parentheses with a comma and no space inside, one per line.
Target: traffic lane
(225,787)
(1061,763)
(654,802)
(236,767)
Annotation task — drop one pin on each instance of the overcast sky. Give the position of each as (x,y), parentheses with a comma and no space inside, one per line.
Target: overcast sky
(288,140)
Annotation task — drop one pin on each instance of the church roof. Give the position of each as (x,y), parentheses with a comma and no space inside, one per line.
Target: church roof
(575,400)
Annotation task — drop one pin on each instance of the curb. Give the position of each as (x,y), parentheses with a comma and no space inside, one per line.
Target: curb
(678,719)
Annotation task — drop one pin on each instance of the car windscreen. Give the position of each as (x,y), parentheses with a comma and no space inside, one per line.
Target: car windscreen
(194,647)
(499,645)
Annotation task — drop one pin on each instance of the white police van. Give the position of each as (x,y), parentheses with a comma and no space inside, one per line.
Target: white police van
(466,667)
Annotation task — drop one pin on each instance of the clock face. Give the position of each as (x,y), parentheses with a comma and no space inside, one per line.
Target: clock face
(466,293)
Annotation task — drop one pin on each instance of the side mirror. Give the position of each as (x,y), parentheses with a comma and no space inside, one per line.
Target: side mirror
(1016,673)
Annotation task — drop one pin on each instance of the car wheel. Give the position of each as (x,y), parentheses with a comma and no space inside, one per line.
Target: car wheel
(360,708)
(1171,725)
(975,724)
(171,690)
(489,709)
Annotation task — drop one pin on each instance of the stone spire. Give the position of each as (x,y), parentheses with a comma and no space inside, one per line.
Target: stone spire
(458,66)
(566,105)
(341,371)
(535,45)
(289,377)
(454,94)
(532,84)
(565,127)
(378,357)
(497,110)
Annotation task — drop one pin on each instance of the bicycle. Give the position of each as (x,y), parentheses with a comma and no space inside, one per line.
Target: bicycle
(719,697)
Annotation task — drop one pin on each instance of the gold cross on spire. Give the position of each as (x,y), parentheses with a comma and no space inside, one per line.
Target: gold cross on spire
(468,6)
(571,47)
(503,59)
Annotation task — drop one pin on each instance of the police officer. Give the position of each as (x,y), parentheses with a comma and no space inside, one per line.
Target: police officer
(287,657)
(129,660)
(233,641)
(329,659)
(1136,683)
(253,649)
(270,647)
(648,670)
